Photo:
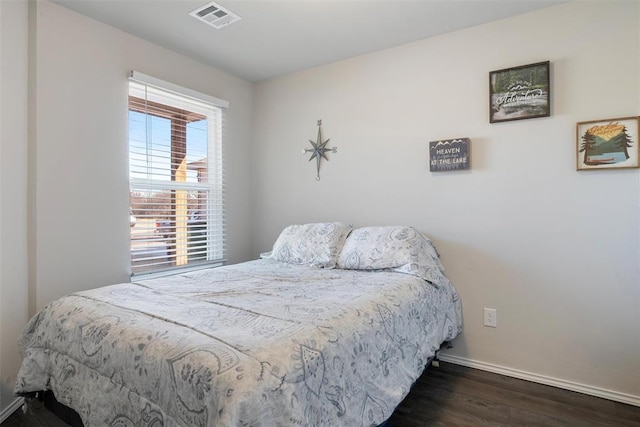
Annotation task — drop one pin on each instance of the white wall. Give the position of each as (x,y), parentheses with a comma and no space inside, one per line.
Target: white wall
(555,251)
(13,189)
(82,173)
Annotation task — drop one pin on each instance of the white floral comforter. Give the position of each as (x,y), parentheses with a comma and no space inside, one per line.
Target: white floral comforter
(261,343)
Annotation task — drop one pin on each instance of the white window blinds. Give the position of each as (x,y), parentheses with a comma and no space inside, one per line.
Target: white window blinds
(176,175)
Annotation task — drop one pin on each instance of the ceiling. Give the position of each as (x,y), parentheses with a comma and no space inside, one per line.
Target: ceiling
(278,37)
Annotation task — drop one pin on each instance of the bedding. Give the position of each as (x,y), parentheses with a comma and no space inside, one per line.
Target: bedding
(316,244)
(261,343)
(396,248)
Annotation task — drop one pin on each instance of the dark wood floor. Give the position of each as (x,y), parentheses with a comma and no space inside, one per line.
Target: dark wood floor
(453,395)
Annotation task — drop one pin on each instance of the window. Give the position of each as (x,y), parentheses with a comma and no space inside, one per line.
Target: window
(176,176)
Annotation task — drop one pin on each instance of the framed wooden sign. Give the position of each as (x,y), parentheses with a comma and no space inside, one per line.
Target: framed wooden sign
(449,155)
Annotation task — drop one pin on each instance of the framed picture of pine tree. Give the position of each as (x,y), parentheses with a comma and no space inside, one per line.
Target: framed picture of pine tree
(607,144)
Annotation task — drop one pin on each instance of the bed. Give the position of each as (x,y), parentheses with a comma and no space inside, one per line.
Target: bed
(330,328)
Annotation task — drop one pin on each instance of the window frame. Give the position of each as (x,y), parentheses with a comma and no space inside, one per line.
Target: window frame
(215,250)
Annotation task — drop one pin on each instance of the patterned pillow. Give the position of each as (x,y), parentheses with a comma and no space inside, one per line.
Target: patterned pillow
(395,248)
(315,244)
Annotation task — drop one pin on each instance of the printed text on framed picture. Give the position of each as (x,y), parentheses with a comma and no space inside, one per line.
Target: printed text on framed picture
(519,93)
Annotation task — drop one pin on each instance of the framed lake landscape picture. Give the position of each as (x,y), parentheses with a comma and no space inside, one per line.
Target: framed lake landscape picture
(519,93)
(607,144)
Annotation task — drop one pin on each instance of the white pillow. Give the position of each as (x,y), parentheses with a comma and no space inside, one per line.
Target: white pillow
(317,245)
(396,248)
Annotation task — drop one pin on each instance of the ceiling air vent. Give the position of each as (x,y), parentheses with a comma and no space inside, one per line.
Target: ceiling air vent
(215,15)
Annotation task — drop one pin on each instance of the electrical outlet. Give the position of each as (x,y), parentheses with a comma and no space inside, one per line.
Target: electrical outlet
(490,317)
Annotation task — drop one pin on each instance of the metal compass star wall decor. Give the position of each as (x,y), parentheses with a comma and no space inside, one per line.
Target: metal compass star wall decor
(319,150)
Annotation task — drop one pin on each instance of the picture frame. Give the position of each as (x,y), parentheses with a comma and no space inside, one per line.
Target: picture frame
(608,144)
(449,155)
(520,93)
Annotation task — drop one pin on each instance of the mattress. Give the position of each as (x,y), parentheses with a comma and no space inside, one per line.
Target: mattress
(261,343)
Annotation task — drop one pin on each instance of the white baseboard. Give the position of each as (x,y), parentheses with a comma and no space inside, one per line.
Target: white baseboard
(13,407)
(543,379)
